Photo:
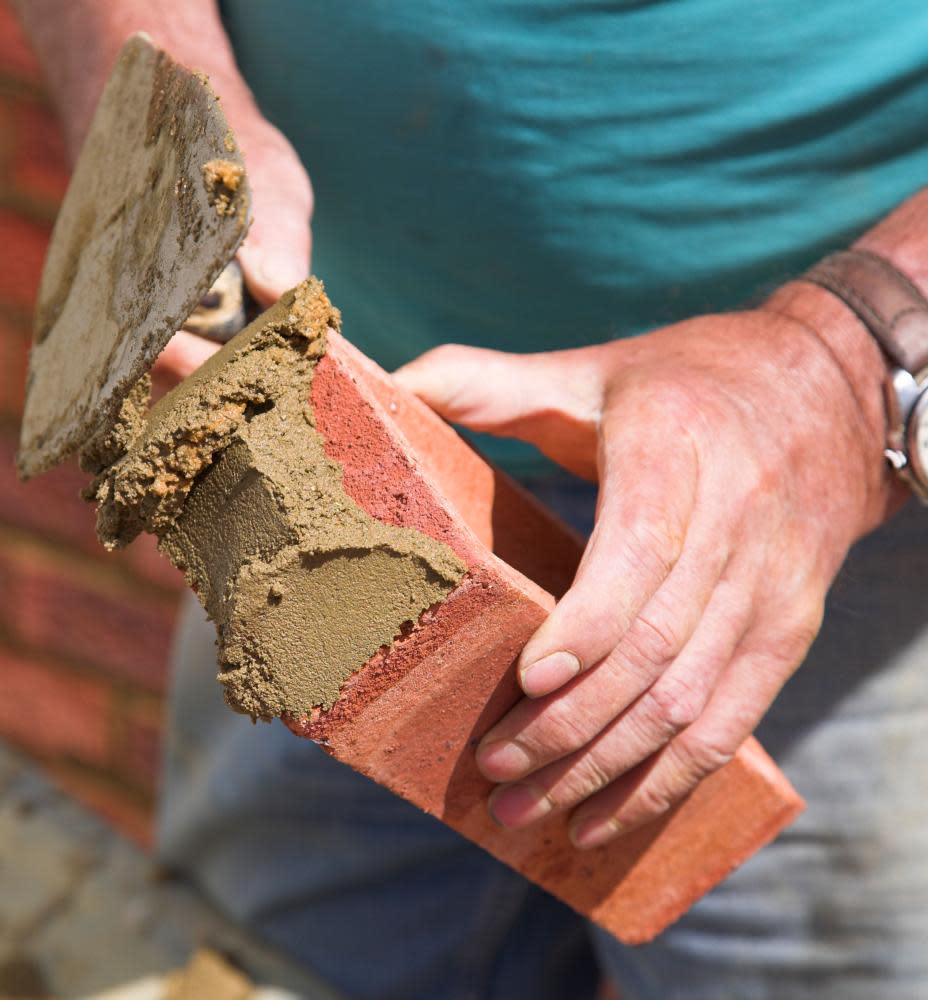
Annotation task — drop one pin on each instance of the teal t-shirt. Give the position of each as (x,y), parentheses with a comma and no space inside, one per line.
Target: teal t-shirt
(538,174)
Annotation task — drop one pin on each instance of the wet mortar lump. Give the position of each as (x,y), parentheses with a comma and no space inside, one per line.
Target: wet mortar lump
(230,472)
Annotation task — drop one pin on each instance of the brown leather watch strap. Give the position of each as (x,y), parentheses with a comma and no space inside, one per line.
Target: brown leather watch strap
(891,307)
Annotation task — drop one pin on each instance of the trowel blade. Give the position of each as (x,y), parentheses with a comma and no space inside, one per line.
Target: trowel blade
(157,207)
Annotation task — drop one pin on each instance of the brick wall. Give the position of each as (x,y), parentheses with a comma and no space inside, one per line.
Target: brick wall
(84,635)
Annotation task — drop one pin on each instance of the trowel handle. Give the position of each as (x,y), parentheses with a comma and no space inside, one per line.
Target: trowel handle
(224,309)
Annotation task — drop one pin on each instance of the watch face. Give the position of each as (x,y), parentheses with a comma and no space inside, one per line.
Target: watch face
(917,438)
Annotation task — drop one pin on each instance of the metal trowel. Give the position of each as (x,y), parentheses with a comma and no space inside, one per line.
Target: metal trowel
(158,204)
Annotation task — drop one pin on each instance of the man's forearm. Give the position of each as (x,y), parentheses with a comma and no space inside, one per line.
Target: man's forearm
(77,43)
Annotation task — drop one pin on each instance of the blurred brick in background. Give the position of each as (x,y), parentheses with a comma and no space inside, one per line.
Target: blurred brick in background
(84,635)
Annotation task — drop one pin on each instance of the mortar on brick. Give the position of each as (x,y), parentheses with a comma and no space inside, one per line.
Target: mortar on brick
(230,472)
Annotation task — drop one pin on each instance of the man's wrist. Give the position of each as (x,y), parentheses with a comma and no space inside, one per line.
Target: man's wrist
(863,368)
(902,240)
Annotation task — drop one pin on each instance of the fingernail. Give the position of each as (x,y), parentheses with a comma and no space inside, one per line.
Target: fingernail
(549,673)
(501,760)
(593,832)
(515,806)
(280,270)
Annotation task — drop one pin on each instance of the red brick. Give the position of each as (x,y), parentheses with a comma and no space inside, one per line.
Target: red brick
(52,711)
(120,807)
(14,354)
(39,167)
(7,134)
(139,747)
(143,557)
(22,253)
(111,627)
(17,60)
(410,718)
(51,507)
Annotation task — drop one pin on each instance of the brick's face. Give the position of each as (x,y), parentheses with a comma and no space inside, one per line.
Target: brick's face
(75,616)
(19,278)
(52,711)
(39,169)
(14,353)
(385,478)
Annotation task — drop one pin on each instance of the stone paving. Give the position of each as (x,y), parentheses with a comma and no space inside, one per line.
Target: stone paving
(84,914)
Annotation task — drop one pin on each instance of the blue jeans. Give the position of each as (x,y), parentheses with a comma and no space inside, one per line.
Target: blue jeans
(384,901)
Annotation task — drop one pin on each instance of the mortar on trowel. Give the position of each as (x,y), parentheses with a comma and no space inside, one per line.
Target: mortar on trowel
(340,536)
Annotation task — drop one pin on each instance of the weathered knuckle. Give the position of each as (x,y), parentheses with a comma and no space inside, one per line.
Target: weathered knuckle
(650,801)
(298,183)
(807,627)
(559,730)
(752,482)
(797,631)
(703,755)
(676,703)
(588,776)
(655,541)
(653,642)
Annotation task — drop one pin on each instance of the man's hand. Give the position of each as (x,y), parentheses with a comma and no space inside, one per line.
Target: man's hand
(738,458)
(276,253)
(78,43)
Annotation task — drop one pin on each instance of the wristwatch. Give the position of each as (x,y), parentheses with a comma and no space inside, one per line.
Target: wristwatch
(896,314)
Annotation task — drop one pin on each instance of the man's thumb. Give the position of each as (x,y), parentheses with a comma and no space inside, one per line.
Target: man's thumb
(539,398)
(275,254)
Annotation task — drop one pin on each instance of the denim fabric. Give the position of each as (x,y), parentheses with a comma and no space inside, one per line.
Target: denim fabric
(837,907)
(385,902)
